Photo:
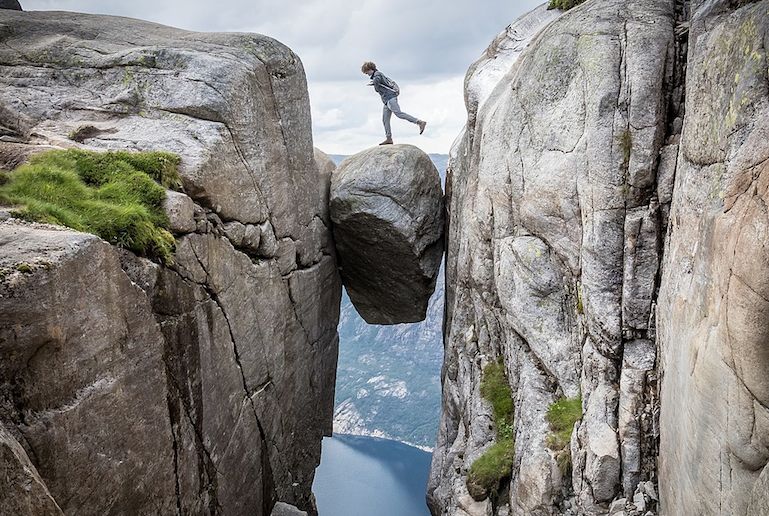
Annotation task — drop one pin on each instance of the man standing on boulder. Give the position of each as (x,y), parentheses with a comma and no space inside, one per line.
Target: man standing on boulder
(389,91)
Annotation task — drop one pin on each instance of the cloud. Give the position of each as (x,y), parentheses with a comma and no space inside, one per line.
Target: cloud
(413,40)
(359,109)
(426,46)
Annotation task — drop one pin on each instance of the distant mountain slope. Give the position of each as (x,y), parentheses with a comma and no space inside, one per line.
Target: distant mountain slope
(388,377)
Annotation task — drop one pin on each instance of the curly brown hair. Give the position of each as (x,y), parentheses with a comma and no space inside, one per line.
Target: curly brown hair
(368,65)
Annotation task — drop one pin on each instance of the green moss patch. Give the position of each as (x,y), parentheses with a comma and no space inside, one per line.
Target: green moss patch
(496,390)
(490,469)
(116,195)
(626,142)
(562,415)
(24,268)
(564,5)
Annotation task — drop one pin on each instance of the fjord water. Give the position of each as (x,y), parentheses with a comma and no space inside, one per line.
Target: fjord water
(370,476)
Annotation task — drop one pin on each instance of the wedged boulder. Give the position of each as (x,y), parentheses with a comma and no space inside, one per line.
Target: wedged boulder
(10,4)
(387,208)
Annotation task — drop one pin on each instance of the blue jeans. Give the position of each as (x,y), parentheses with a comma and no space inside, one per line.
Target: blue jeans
(391,107)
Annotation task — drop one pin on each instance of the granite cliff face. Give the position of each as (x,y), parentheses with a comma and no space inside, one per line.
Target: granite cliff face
(571,258)
(712,315)
(200,387)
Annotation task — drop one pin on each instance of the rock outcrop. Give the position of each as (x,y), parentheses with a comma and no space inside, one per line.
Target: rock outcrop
(204,386)
(607,228)
(387,210)
(552,264)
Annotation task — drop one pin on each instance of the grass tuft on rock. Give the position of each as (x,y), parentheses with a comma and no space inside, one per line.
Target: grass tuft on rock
(562,416)
(496,463)
(564,5)
(488,470)
(116,195)
(496,390)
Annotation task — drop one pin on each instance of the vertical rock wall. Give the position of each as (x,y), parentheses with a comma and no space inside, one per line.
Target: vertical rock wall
(714,300)
(556,216)
(203,387)
(607,231)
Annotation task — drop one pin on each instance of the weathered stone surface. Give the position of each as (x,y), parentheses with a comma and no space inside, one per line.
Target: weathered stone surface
(24,492)
(252,237)
(326,167)
(536,487)
(286,256)
(567,172)
(236,232)
(387,209)
(250,360)
(470,507)
(500,56)
(639,357)
(759,503)
(617,507)
(203,387)
(553,245)
(235,106)
(284,509)
(82,374)
(14,154)
(713,309)
(268,243)
(181,212)
(266,338)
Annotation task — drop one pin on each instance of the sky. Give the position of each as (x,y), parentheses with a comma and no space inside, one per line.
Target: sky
(424,45)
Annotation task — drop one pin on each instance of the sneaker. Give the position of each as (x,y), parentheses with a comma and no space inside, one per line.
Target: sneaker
(421,125)
(388,141)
